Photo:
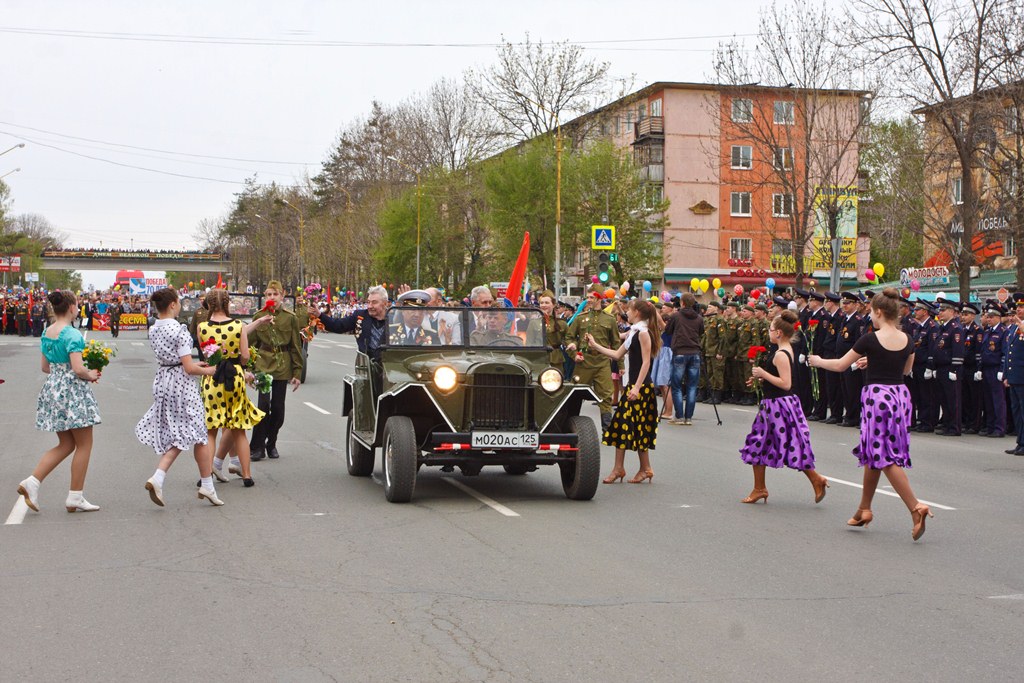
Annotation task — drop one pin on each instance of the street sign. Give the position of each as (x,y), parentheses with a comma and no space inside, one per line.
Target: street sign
(31,277)
(602,237)
(1002,295)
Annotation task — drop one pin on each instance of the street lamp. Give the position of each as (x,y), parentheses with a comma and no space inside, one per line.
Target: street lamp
(9,173)
(302,227)
(558,193)
(18,146)
(417,215)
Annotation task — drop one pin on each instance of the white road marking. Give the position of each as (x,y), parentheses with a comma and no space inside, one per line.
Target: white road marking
(338,362)
(744,410)
(888,493)
(317,408)
(1015,596)
(489,502)
(28,344)
(138,344)
(18,512)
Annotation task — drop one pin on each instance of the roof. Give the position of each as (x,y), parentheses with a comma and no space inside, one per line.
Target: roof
(995,90)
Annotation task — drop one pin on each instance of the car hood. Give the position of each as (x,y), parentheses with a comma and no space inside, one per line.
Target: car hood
(511,363)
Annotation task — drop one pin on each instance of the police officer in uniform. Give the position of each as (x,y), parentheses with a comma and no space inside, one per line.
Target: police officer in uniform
(833,380)
(593,368)
(852,379)
(817,327)
(970,382)
(993,393)
(947,359)
(922,382)
(1013,370)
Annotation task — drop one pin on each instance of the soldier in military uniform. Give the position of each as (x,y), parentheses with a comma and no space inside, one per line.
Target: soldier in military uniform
(947,360)
(38,313)
(1013,370)
(21,316)
(592,368)
(993,393)
(711,349)
(746,333)
(115,316)
(730,334)
(279,353)
(852,378)
(922,385)
(971,381)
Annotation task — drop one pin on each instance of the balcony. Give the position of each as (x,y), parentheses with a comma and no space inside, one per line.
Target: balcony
(649,127)
(653,173)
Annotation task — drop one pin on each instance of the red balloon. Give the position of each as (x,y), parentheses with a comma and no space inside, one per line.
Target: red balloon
(738,289)
(202,282)
(756,294)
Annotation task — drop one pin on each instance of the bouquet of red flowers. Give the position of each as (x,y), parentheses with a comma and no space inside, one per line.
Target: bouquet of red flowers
(812,329)
(754,355)
(270,306)
(212,351)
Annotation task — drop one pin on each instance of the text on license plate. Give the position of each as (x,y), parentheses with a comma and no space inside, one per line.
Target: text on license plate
(505,439)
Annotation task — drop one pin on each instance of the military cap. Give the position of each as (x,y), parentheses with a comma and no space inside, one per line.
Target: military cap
(714,302)
(780,301)
(946,303)
(817,296)
(802,293)
(969,307)
(924,305)
(414,297)
(992,307)
(905,300)
(761,307)
(734,304)
(869,294)
(747,307)
(595,290)
(1018,298)
(850,296)
(832,296)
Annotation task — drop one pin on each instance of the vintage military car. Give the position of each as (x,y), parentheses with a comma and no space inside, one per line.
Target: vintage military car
(467,388)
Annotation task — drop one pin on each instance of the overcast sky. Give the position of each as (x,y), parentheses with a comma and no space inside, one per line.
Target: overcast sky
(270,109)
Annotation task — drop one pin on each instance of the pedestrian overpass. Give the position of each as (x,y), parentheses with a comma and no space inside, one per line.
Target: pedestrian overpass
(89,259)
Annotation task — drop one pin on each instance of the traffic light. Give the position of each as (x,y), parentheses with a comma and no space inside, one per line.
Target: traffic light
(603,263)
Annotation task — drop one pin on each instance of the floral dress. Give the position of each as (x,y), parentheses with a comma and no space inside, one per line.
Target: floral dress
(65,401)
(227,406)
(177,418)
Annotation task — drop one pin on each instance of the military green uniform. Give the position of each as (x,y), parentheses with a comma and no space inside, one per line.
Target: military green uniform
(712,346)
(278,353)
(595,369)
(745,338)
(554,336)
(730,334)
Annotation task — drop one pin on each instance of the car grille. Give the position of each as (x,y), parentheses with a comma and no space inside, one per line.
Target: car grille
(499,401)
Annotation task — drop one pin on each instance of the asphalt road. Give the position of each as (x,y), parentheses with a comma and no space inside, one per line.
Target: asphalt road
(311,575)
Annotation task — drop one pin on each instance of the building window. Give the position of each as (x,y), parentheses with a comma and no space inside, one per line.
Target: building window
(1010,247)
(641,111)
(739,249)
(782,159)
(958,190)
(782,205)
(629,120)
(740,204)
(656,107)
(784,113)
(742,110)
(742,156)
(654,194)
(1012,123)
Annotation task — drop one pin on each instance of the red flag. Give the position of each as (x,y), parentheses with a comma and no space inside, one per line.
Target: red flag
(220,283)
(515,281)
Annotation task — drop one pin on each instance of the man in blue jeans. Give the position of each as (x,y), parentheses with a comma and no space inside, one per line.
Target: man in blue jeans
(686,328)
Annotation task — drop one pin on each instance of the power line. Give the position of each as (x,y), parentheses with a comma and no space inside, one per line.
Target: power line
(161,151)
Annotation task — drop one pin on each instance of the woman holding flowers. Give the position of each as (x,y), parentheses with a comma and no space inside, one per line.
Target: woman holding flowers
(227,406)
(177,420)
(66,404)
(780,435)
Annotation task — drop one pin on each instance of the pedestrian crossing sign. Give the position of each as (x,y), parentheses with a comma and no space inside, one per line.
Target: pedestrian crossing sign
(602,237)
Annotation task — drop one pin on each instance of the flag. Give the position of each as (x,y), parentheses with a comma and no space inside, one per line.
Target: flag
(515,281)
(220,283)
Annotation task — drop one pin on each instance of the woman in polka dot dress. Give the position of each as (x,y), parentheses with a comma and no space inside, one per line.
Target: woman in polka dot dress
(888,355)
(634,426)
(780,436)
(177,420)
(227,405)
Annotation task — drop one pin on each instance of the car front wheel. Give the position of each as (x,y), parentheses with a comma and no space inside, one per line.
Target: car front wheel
(400,459)
(581,475)
(358,457)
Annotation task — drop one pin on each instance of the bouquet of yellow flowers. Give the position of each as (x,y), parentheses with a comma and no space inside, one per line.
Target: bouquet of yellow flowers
(97,355)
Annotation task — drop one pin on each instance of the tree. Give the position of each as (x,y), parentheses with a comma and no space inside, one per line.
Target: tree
(940,57)
(805,145)
(892,208)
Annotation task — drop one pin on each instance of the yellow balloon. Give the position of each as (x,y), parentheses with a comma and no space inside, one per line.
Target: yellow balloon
(879,269)
(704,285)
(716,283)
(654,299)
(695,283)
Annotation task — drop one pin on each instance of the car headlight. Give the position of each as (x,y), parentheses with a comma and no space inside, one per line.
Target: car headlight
(445,378)
(551,380)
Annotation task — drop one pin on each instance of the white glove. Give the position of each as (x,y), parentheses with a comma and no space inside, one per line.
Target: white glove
(929,373)
(952,377)
(999,375)
(802,359)
(977,376)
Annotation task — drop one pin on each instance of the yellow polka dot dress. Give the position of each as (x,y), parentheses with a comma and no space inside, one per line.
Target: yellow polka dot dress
(634,425)
(227,409)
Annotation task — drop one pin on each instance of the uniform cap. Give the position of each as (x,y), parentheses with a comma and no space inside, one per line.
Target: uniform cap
(947,304)
(924,305)
(761,307)
(802,293)
(780,301)
(968,307)
(1018,298)
(734,304)
(817,296)
(748,307)
(832,296)
(414,297)
(850,296)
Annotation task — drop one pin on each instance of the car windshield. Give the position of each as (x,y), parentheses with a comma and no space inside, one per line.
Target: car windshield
(456,327)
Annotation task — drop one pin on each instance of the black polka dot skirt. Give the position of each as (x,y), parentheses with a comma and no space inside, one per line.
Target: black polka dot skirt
(884,418)
(634,425)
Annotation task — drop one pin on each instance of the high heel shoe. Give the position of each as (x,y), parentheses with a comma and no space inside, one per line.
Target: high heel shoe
(820,488)
(919,514)
(861,518)
(642,476)
(616,475)
(755,496)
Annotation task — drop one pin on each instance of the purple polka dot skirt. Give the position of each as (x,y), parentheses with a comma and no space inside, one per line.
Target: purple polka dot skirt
(885,415)
(779,436)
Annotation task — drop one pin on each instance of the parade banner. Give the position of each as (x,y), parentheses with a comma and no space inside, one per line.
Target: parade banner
(126,323)
(10,264)
(846,228)
(939,275)
(138,286)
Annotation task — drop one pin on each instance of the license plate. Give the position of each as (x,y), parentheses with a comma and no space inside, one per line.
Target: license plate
(489,440)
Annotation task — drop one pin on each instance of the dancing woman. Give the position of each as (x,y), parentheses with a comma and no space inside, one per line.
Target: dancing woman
(885,408)
(780,435)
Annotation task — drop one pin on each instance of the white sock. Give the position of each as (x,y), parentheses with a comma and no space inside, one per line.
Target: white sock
(207,482)
(34,480)
(158,477)
(235,461)
(218,463)
(74,494)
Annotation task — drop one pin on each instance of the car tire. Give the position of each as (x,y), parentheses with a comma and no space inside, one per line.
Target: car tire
(518,469)
(358,457)
(580,476)
(400,456)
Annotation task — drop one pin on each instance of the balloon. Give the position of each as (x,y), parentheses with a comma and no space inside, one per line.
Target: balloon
(666,296)
(116,287)
(360,292)
(716,283)
(695,283)
(191,284)
(594,279)
(609,293)
(654,299)
(647,285)
(756,294)
(625,285)
(720,291)
(870,275)
(812,283)
(905,292)
(879,269)
(704,285)
(623,290)
(770,283)
(738,289)
(915,285)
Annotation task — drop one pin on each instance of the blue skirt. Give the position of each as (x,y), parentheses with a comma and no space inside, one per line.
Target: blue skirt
(661,370)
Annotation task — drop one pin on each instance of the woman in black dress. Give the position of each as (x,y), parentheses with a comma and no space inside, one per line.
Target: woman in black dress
(634,425)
